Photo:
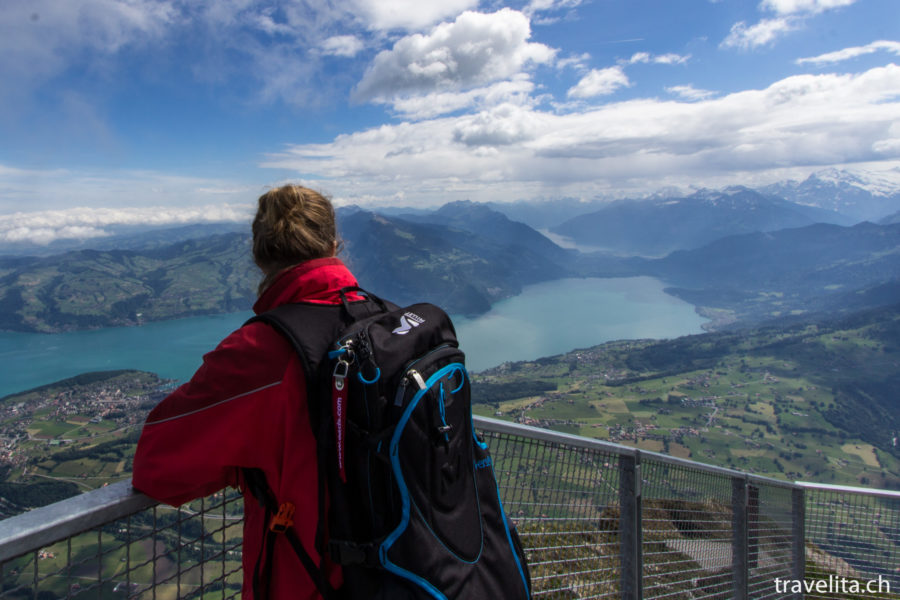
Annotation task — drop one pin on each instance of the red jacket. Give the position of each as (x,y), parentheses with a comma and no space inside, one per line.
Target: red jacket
(246,407)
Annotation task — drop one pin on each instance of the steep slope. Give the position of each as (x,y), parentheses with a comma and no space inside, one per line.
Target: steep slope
(493,226)
(459,270)
(88,288)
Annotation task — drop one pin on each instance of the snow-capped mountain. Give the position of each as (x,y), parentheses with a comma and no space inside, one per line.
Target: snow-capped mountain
(863,195)
(657,226)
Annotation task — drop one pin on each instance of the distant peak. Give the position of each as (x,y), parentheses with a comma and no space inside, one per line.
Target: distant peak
(460,204)
(881,183)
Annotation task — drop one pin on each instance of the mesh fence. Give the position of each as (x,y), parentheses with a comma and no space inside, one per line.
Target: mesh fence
(687,532)
(852,544)
(160,552)
(769,534)
(564,501)
(596,521)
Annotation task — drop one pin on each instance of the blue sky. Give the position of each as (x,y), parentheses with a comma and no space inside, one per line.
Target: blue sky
(166,111)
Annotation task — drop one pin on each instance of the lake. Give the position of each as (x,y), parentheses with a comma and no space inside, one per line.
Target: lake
(547,318)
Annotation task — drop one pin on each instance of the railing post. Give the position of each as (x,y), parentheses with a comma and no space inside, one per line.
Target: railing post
(630,526)
(798,534)
(740,538)
(752,527)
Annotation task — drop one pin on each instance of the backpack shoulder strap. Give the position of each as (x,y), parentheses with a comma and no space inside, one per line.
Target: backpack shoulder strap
(278,519)
(310,329)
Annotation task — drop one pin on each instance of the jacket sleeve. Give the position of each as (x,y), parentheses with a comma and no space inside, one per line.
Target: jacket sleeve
(196,440)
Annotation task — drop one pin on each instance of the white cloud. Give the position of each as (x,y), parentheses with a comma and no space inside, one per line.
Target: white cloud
(38,38)
(578,62)
(690,93)
(599,82)
(659,59)
(407,14)
(790,15)
(535,6)
(43,227)
(500,126)
(541,12)
(342,45)
(510,152)
(848,53)
(516,91)
(475,50)
(761,34)
(792,7)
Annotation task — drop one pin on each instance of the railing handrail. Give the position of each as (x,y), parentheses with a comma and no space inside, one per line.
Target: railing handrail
(548,435)
(43,526)
(46,525)
(830,487)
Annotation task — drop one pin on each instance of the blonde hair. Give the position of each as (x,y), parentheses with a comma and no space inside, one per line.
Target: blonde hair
(293,224)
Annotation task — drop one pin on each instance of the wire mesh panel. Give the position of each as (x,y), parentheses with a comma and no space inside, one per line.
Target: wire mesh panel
(769,544)
(564,500)
(852,543)
(687,532)
(596,520)
(161,552)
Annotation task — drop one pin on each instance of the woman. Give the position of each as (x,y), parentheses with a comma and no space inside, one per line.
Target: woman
(246,405)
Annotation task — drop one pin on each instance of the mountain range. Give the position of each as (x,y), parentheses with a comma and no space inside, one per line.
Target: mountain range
(405,261)
(820,268)
(739,255)
(658,226)
(861,195)
(856,195)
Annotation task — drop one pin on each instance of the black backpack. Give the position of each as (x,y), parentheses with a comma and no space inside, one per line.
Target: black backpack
(414,510)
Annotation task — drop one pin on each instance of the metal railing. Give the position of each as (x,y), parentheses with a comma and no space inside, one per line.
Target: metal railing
(597,520)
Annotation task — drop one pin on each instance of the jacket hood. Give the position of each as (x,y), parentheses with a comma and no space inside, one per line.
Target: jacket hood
(318,280)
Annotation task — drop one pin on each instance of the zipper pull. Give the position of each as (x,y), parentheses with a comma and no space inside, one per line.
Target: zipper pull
(401,391)
(418,379)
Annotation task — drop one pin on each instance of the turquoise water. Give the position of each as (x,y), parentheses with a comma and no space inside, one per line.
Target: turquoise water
(546,319)
(558,316)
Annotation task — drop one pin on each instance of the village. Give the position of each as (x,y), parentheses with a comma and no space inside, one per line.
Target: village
(84,410)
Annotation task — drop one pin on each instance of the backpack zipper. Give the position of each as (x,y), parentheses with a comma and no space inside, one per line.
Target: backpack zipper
(411,374)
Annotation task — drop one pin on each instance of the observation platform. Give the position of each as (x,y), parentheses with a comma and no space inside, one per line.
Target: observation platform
(598,520)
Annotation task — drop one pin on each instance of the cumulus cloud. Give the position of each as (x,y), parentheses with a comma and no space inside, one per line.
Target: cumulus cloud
(475,50)
(515,91)
(854,52)
(512,152)
(407,14)
(765,32)
(599,82)
(792,7)
(500,126)
(81,223)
